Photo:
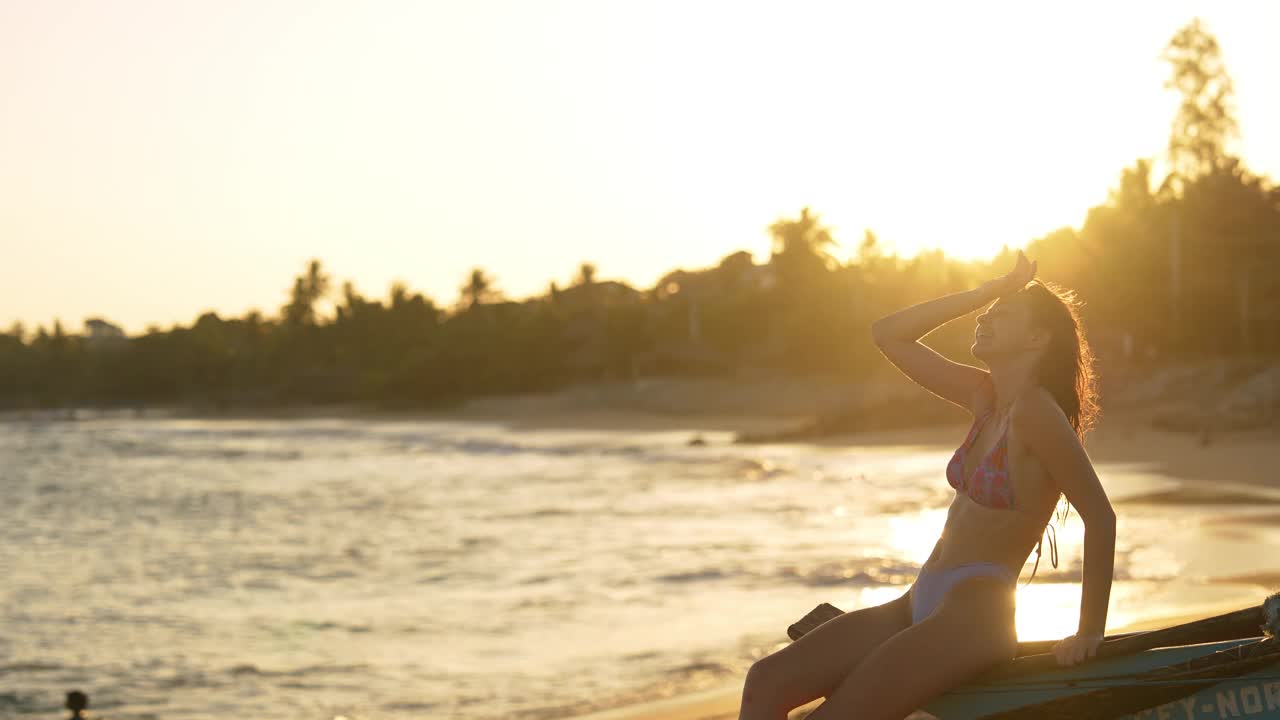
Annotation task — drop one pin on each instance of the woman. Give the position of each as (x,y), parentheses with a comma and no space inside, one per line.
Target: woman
(1031,410)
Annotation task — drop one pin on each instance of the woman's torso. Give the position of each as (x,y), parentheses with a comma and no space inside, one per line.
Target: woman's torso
(975,532)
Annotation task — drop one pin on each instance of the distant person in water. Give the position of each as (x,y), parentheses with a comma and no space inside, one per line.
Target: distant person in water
(76,703)
(1032,407)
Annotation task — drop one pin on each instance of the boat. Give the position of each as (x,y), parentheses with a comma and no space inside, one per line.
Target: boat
(1226,666)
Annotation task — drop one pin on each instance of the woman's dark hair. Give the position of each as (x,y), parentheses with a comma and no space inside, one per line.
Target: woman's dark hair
(1066,367)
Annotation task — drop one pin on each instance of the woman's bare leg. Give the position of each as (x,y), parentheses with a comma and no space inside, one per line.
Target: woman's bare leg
(971,631)
(813,666)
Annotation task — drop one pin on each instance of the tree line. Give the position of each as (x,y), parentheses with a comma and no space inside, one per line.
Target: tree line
(1170,268)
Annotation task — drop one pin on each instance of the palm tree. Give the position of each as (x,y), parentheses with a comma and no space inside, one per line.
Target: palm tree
(308,289)
(1205,122)
(800,250)
(478,289)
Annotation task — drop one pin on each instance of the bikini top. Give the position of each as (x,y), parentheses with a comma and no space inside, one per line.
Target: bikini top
(989,484)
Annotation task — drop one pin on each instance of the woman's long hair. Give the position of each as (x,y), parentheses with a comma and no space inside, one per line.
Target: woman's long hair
(1066,366)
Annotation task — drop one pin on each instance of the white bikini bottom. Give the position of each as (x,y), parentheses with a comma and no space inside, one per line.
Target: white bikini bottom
(932,585)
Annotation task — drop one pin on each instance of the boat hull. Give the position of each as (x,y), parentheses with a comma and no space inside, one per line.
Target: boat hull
(1255,695)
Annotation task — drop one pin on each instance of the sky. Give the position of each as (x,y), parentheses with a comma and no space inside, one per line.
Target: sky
(163,159)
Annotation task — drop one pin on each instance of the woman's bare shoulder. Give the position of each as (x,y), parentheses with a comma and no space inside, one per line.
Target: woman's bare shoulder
(1035,406)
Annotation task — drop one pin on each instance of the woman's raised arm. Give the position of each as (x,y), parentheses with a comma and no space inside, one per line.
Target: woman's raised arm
(898,336)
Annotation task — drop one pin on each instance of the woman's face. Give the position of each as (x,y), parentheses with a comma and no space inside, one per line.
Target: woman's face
(1004,330)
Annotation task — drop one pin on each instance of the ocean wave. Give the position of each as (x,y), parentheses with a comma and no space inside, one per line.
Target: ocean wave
(332,625)
(731,465)
(693,576)
(539,579)
(298,672)
(408,706)
(23,702)
(29,667)
(167,448)
(534,513)
(703,666)
(855,573)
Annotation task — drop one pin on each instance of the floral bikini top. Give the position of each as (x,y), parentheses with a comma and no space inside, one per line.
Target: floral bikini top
(989,484)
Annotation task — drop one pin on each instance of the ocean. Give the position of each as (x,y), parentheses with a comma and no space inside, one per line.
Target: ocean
(361,569)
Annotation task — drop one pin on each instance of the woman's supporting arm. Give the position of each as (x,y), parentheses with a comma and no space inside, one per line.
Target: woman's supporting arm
(1044,428)
(1099,564)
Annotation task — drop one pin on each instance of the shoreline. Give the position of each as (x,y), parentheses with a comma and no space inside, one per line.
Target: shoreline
(1121,436)
(1233,457)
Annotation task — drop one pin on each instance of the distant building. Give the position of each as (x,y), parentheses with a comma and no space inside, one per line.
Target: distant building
(609,291)
(99,332)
